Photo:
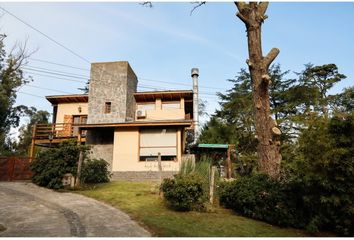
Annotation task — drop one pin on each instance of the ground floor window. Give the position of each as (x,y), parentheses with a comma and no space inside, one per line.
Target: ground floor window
(153,141)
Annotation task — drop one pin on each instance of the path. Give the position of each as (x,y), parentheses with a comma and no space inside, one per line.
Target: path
(27,210)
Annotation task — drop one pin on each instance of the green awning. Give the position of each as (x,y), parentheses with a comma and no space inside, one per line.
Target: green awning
(208,145)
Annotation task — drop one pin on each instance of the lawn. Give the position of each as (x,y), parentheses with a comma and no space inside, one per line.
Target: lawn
(141,201)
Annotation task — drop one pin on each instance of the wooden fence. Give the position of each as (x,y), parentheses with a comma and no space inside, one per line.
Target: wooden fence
(15,168)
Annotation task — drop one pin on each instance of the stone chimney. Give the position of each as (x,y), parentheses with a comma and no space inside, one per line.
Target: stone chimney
(111,89)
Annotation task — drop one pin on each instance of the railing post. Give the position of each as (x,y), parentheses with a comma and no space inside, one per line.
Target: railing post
(53,130)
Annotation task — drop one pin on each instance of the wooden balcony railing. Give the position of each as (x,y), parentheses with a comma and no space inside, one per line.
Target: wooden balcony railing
(56,131)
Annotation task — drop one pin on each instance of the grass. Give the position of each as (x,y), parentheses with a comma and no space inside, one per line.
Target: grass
(142,202)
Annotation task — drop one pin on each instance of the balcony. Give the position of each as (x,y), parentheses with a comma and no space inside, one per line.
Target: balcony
(47,134)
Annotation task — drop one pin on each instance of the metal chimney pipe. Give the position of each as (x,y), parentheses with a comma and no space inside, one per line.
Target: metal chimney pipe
(195,75)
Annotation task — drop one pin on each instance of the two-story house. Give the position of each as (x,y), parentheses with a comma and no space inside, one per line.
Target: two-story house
(124,127)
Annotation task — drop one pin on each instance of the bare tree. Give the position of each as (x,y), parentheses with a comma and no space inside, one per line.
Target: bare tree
(253,15)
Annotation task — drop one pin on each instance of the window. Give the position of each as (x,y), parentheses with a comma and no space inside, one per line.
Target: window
(154,141)
(147,106)
(79,119)
(107,107)
(171,105)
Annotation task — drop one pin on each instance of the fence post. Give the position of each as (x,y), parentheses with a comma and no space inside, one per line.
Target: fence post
(32,149)
(78,175)
(211,184)
(159,166)
(229,164)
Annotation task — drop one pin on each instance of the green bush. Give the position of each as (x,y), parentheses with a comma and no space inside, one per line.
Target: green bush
(326,150)
(261,198)
(95,171)
(318,192)
(50,165)
(184,193)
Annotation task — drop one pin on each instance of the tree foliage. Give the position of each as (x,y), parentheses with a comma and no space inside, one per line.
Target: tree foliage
(11,78)
(25,136)
(320,79)
(317,193)
(293,103)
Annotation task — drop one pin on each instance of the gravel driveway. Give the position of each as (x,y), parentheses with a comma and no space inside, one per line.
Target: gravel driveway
(27,210)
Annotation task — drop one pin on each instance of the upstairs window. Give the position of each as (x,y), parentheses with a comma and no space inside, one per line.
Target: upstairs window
(146,106)
(107,107)
(171,105)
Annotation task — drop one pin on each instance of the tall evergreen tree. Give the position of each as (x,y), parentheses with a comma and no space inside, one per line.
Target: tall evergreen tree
(320,79)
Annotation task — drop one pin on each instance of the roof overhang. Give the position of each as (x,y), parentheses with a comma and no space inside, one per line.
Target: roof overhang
(163,95)
(184,123)
(74,98)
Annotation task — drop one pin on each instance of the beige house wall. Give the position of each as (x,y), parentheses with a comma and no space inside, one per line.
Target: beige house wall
(126,153)
(159,114)
(70,109)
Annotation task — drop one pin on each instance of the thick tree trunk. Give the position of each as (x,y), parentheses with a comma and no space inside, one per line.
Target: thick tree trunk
(253,15)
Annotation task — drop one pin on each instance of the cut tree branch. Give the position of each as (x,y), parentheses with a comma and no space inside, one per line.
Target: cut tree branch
(242,11)
(266,78)
(241,6)
(262,8)
(270,57)
(243,19)
(276,131)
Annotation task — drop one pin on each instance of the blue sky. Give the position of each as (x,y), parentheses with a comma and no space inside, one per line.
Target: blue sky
(163,43)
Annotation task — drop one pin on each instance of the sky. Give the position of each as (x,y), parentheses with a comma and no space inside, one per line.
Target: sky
(164,42)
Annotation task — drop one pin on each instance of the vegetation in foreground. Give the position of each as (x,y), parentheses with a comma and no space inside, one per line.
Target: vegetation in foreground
(315,184)
(52,164)
(143,203)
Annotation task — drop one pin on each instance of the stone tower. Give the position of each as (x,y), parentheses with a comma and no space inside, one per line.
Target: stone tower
(111,100)
(111,91)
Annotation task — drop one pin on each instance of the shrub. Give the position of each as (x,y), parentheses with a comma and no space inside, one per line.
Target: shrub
(95,171)
(326,149)
(318,192)
(184,193)
(261,198)
(50,165)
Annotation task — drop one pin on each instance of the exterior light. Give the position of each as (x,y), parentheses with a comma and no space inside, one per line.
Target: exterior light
(79,109)
(50,137)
